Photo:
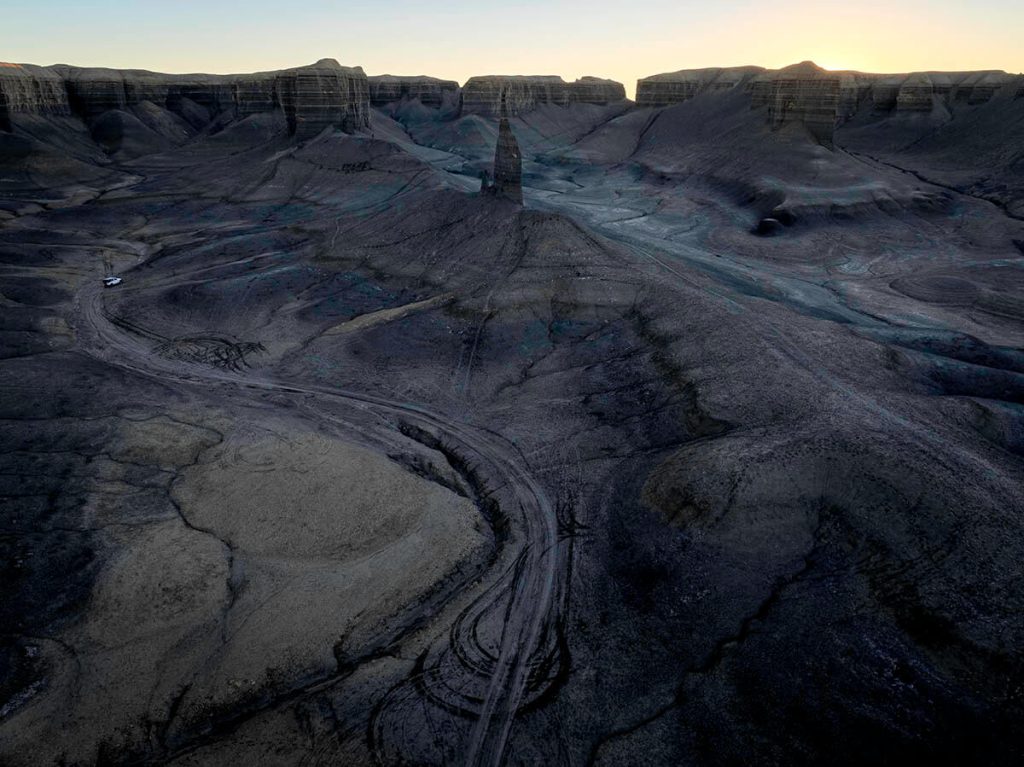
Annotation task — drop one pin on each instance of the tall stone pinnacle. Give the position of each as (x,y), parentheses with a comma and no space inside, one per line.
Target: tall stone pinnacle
(508,162)
(508,165)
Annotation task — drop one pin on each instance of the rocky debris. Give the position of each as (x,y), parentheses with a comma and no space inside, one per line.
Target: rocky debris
(508,167)
(312,97)
(485,95)
(429,91)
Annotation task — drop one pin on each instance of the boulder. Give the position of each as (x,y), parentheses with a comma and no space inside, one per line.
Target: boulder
(768,227)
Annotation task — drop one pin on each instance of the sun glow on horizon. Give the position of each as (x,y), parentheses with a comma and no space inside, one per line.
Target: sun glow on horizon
(566,37)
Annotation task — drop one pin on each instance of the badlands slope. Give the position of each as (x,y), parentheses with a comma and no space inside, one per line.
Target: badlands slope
(710,453)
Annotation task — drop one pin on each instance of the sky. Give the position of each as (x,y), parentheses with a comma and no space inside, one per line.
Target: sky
(455,39)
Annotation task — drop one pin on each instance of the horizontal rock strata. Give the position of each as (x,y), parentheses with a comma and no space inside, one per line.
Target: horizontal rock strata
(312,97)
(430,91)
(820,99)
(28,88)
(677,87)
(484,95)
(324,95)
(806,94)
(919,92)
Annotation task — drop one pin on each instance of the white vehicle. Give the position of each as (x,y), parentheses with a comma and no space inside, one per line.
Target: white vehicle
(109,282)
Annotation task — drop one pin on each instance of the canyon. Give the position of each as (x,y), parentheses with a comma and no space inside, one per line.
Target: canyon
(513,422)
(327,95)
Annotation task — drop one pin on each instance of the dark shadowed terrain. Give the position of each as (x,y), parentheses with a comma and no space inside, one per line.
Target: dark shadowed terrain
(711,453)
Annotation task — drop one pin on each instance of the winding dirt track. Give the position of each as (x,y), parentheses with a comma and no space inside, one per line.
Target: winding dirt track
(530,593)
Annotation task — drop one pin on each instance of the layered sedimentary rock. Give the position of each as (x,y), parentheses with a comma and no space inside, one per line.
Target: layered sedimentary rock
(885,91)
(323,95)
(676,87)
(312,97)
(485,95)
(916,91)
(91,92)
(821,100)
(430,91)
(920,91)
(802,93)
(28,88)
(595,90)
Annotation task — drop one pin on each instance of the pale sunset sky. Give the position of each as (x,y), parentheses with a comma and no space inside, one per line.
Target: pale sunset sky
(457,39)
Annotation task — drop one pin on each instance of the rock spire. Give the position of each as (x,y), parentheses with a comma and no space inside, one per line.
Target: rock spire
(508,164)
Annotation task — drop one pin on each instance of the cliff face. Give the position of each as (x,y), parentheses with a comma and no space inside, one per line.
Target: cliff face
(312,97)
(921,91)
(822,100)
(28,88)
(807,94)
(323,95)
(596,90)
(677,87)
(430,91)
(484,95)
(801,93)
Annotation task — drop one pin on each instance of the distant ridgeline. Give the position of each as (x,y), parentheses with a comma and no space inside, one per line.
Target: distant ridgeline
(823,100)
(429,91)
(311,98)
(325,94)
(485,95)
